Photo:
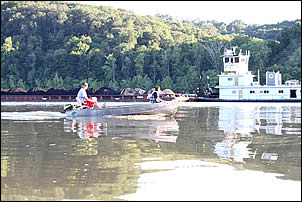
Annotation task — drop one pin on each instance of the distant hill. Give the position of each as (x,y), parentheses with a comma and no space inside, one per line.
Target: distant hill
(56,44)
(266,31)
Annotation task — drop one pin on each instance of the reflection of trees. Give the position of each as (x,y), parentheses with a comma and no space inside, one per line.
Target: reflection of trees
(64,171)
(41,162)
(198,128)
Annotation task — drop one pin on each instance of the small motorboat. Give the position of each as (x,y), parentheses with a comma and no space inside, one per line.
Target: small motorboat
(166,108)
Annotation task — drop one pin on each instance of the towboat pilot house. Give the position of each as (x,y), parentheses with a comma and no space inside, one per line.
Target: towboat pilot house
(236,82)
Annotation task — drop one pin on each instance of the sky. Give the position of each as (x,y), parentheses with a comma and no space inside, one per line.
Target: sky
(250,12)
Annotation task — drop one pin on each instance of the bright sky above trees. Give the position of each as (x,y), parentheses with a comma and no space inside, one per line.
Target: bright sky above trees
(250,12)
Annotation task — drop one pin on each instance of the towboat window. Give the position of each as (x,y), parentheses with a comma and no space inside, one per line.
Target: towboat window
(266,91)
(236,60)
(234,92)
(227,60)
(280,91)
(230,79)
(231,60)
(252,91)
(242,60)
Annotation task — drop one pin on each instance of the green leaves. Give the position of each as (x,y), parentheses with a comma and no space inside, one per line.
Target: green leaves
(7,46)
(79,46)
(62,44)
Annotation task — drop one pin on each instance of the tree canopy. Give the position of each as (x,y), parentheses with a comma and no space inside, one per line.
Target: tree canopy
(48,44)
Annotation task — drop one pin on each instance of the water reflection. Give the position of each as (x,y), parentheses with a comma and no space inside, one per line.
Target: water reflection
(234,149)
(165,130)
(261,135)
(257,136)
(103,158)
(89,159)
(84,130)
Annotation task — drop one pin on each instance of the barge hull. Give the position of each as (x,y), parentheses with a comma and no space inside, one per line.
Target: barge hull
(203,99)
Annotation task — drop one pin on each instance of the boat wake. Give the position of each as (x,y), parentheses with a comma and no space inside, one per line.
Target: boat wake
(33,115)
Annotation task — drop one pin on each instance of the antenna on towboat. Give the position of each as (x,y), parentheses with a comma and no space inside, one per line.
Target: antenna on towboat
(258,77)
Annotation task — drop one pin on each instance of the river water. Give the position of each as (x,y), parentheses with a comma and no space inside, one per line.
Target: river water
(208,151)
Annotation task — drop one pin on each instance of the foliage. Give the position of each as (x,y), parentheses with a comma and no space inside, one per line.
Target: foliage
(49,44)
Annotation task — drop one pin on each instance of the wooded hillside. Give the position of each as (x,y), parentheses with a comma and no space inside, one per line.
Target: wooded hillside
(57,44)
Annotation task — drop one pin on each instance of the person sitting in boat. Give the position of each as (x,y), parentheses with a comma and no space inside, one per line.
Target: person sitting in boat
(84,100)
(209,89)
(154,96)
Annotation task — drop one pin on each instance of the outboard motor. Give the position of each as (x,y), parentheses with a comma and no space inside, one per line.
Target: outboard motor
(68,107)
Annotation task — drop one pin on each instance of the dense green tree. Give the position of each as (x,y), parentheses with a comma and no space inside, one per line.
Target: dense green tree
(53,43)
(139,64)
(57,81)
(209,77)
(214,50)
(20,84)
(167,83)
(260,53)
(11,82)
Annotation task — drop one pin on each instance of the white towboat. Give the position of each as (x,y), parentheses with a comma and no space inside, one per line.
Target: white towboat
(236,82)
(167,108)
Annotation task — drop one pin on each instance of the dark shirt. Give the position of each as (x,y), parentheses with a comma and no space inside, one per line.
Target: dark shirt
(154,97)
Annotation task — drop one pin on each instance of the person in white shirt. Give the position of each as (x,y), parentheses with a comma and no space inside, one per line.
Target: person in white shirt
(84,100)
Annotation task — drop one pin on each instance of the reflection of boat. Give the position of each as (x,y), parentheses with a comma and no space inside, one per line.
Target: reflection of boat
(240,123)
(238,119)
(250,118)
(167,108)
(233,148)
(164,130)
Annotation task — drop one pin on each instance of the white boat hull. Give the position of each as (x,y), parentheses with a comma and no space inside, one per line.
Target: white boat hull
(163,109)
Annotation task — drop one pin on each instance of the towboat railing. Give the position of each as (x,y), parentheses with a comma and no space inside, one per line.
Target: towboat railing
(63,98)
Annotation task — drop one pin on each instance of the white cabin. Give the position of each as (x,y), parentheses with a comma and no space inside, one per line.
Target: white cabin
(237,83)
